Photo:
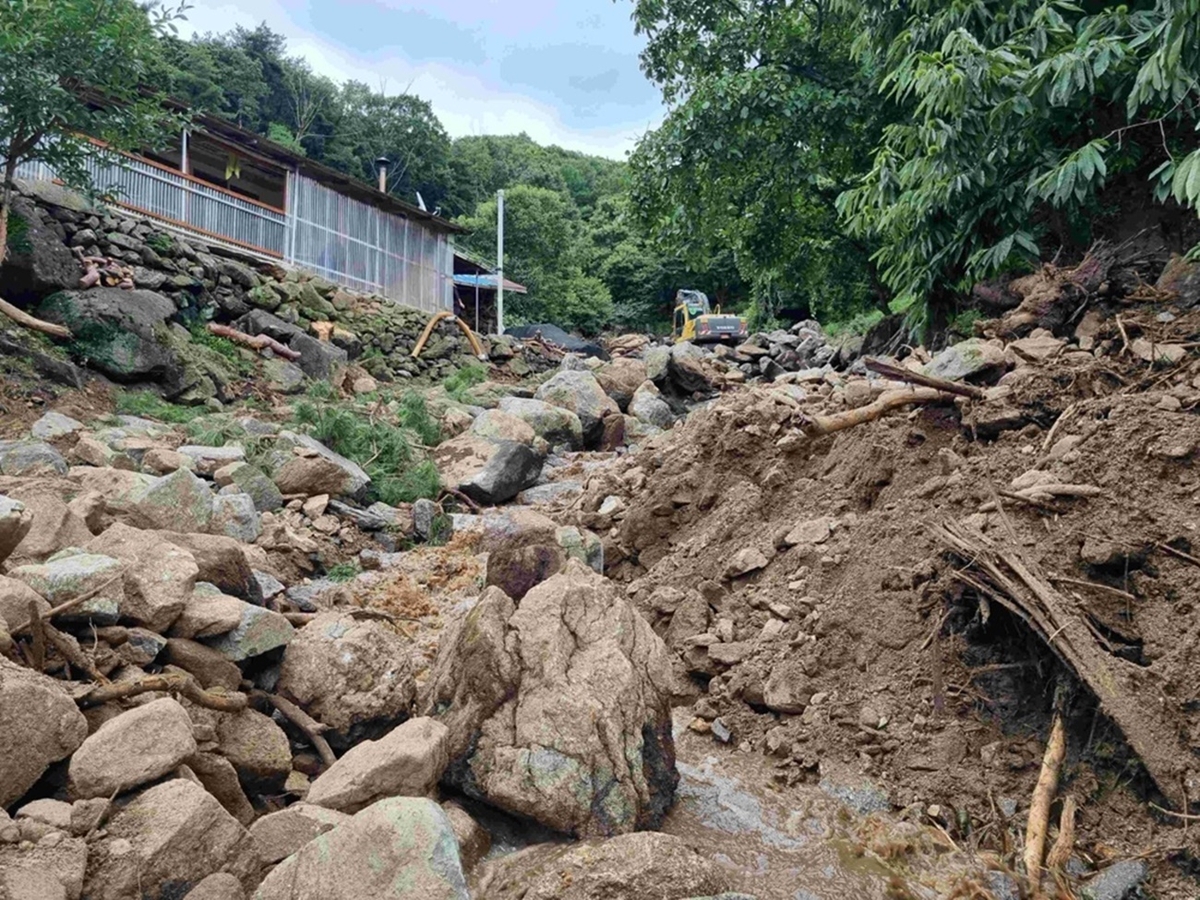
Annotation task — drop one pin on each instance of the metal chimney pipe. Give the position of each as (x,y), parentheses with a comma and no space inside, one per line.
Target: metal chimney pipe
(381,165)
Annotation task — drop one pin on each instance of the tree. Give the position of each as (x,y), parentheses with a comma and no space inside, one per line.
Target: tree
(1018,117)
(71,71)
(770,120)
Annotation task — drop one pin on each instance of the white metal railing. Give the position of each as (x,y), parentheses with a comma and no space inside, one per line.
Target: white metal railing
(183,202)
(363,248)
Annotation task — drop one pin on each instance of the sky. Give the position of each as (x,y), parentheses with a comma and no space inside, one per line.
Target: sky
(563,71)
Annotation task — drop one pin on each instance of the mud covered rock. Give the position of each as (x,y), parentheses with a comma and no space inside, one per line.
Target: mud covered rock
(322,471)
(559,710)
(159,576)
(166,841)
(280,834)
(621,378)
(39,725)
(15,522)
(177,501)
(628,867)
(353,676)
(648,406)
(258,749)
(52,869)
(138,746)
(407,762)
(399,848)
(497,425)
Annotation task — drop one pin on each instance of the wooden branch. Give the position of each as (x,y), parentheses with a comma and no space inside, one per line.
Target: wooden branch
(170,683)
(70,604)
(1039,806)
(69,649)
(312,729)
(258,342)
(942,384)
(1178,554)
(817,426)
(1064,844)
(33,324)
(462,498)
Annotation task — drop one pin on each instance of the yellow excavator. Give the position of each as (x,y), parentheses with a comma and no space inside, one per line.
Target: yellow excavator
(695,321)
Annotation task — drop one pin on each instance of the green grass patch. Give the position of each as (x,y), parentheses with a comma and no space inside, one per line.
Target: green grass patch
(151,406)
(343,572)
(160,243)
(964,323)
(858,324)
(461,380)
(414,415)
(383,450)
(18,235)
(223,347)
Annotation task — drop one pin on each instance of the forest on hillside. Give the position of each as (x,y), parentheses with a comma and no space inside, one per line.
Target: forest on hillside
(838,158)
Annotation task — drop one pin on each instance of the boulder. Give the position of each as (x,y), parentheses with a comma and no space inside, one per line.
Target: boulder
(497,425)
(258,749)
(235,516)
(30,458)
(52,869)
(138,746)
(335,475)
(15,523)
(218,886)
(518,570)
(486,471)
(206,460)
(559,427)
(407,762)
(559,710)
(15,597)
(165,841)
(628,867)
(39,725)
(621,378)
(317,358)
(160,461)
(581,394)
(400,848)
(37,262)
(159,578)
(474,841)
(122,331)
(647,405)
(208,666)
(352,675)
(222,562)
(178,502)
(259,631)
(252,481)
(974,358)
(657,359)
(788,689)
(54,425)
(220,778)
(280,834)
(66,575)
(283,376)
(208,613)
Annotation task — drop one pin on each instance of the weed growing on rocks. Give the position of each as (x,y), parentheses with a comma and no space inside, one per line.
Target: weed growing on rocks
(462,380)
(151,406)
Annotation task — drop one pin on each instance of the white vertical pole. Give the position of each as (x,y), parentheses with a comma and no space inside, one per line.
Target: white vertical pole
(500,262)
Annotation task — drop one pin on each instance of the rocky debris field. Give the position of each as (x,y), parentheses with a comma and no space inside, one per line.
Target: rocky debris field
(618,629)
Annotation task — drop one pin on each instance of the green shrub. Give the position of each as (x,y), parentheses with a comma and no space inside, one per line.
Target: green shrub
(151,406)
(18,234)
(858,324)
(414,414)
(160,243)
(461,380)
(343,572)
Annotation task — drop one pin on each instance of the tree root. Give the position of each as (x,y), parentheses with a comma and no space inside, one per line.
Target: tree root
(1039,806)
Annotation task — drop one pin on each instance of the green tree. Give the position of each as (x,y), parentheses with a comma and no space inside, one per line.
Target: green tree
(769,120)
(70,68)
(1018,116)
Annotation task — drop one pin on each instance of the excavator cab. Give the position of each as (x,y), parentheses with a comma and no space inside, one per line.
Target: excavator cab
(694,320)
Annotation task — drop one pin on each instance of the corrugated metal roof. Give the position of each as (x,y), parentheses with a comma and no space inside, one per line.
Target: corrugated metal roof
(488,282)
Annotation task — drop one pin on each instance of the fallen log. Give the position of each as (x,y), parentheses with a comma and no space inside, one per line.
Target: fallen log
(1128,693)
(816,426)
(254,342)
(896,373)
(33,324)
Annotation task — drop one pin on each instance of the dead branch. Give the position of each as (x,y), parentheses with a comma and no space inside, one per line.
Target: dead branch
(1178,554)
(68,648)
(312,729)
(254,342)
(69,605)
(1039,806)
(816,426)
(942,384)
(168,683)
(26,320)
(1064,844)
(462,498)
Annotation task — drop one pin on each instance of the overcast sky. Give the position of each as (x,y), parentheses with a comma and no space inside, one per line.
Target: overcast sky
(564,71)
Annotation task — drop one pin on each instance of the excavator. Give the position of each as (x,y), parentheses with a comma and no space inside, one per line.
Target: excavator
(695,321)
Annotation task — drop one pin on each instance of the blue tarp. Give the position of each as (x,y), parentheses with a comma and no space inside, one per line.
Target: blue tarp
(488,283)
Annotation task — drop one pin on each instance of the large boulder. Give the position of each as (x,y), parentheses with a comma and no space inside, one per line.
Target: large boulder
(352,675)
(122,332)
(488,472)
(15,597)
(303,465)
(628,867)
(497,425)
(179,502)
(559,710)
(621,378)
(30,458)
(318,359)
(165,841)
(974,358)
(400,848)
(39,725)
(649,407)
(138,746)
(67,575)
(48,870)
(38,262)
(160,577)
(258,749)
(222,562)
(15,522)
(55,525)
(581,394)
(407,762)
(280,834)
(208,613)
(559,427)
(259,631)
